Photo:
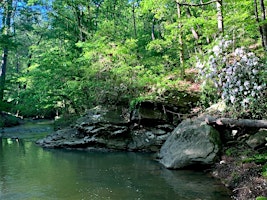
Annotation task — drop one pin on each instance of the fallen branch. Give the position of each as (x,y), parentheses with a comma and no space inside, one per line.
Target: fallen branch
(249,123)
(180,115)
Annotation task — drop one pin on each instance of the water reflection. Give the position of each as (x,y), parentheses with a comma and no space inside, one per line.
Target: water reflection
(29,172)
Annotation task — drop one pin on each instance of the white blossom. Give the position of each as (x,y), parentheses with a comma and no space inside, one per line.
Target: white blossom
(251,54)
(238,79)
(236,90)
(246,83)
(246,100)
(244,58)
(239,52)
(255,71)
(216,50)
(232,99)
(259,87)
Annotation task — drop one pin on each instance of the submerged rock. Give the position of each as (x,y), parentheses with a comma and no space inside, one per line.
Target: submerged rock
(192,142)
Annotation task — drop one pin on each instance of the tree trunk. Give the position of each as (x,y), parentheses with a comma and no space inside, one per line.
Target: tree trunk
(3,73)
(153,29)
(246,123)
(6,21)
(260,27)
(264,25)
(134,20)
(220,16)
(79,19)
(181,49)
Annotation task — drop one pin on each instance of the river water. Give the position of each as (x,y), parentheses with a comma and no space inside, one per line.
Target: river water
(28,172)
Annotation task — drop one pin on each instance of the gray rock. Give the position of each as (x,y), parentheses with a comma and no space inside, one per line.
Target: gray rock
(258,140)
(106,128)
(101,114)
(192,142)
(57,139)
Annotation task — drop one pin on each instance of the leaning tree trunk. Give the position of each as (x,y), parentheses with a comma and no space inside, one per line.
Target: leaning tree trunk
(246,123)
(6,21)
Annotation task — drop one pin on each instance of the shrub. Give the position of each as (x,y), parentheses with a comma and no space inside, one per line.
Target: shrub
(238,78)
(8,120)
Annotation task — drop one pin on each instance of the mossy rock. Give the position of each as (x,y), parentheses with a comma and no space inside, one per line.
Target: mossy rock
(181,99)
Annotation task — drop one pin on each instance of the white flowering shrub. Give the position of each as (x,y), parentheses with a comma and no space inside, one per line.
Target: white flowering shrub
(238,78)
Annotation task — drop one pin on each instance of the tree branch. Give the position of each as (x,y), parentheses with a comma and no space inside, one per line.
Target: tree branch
(197,5)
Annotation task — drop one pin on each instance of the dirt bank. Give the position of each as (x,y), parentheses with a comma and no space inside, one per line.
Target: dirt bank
(240,173)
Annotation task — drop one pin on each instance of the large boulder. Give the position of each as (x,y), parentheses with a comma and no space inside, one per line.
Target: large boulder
(192,142)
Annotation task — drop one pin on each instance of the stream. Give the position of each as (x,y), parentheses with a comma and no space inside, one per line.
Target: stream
(29,172)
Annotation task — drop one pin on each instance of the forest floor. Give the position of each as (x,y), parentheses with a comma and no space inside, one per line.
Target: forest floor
(244,179)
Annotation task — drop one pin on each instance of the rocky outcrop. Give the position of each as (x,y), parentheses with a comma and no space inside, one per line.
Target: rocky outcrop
(114,129)
(192,142)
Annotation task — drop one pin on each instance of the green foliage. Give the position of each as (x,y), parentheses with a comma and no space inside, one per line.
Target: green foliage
(68,56)
(261,198)
(7,120)
(209,94)
(264,170)
(229,152)
(258,158)
(5,106)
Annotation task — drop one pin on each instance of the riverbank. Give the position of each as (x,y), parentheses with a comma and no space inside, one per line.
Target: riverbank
(241,171)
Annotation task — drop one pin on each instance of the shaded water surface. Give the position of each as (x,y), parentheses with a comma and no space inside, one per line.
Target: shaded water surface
(28,172)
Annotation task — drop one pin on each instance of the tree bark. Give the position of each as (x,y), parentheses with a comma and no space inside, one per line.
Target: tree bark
(264,25)
(181,49)
(79,20)
(220,16)
(246,123)
(6,21)
(153,29)
(134,20)
(256,11)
